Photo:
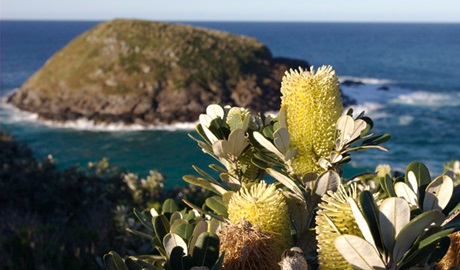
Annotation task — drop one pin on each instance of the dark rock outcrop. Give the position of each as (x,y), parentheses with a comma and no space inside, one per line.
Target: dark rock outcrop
(149,72)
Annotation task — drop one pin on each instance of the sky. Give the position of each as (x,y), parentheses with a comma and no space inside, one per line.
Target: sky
(236,10)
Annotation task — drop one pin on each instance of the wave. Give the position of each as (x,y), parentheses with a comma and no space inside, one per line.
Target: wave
(365,80)
(428,99)
(12,115)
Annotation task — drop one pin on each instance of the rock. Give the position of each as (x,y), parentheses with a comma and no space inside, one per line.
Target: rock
(150,72)
(383,88)
(351,83)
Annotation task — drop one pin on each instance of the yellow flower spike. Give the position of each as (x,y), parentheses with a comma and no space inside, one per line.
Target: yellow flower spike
(263,206)
(333,219)
(313,105)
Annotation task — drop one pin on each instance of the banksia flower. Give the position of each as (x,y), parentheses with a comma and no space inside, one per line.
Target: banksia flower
(313,105)
(247,247)
(293,259)
(242,118)
(335,209)
(264,206)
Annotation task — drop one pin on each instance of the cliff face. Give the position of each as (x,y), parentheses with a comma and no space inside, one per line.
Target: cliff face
(150,72)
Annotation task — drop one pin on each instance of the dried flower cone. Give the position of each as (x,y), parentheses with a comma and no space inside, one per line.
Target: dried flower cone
(313,105)
(335,206)
(265,206)
(247,247)
(452,257)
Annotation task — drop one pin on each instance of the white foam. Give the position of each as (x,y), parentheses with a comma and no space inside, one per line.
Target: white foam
(365,80)
(11,114)
(428,99)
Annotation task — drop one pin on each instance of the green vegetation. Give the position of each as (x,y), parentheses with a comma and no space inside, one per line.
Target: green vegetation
(67,219)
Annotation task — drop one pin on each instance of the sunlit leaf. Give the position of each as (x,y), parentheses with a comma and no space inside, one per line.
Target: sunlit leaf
(438,193)
(215,111)
(404,191)
(362,223)
(282,140)
(267,144)
(394,215)
(359,253)
(413,229)
(172,240)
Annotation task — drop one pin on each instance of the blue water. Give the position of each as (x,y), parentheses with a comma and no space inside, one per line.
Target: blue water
(417,62)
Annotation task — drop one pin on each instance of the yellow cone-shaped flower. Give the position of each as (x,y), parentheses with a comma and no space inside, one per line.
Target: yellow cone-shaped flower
(335,209)
(313,105)
(263,206)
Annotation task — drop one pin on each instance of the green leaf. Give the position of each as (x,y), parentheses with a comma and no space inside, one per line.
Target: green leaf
(394,215)
(238,142)
(113,261)
(358,252)
(387,183)
(362,223)
(175,216)
(421,173)
(377,140)
(288,182)
(205,174)
(179,260)
(345,126)
(329,180)
(371,214)
(282,117)
(206,250)
(184,230)
(406,237)
(201,227)
(438,193)
(216,204)
(267,144)
(169,206)
(197,181)
(359,127)
(403,190)
(138,233)
(162,226)
(434,238)
(172,240)
(144,220)
(282,140)
(219,262)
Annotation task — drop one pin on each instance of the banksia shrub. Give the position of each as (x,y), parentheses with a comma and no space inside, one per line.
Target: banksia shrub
(263,206)
(313,105)
(335,214)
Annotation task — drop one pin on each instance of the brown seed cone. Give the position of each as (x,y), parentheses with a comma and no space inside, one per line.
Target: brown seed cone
(452,257)
(247,247)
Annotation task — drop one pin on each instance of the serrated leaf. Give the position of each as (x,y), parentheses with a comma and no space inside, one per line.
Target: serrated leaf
(358,252)
(282,140)
(412,230)
(421,173)
(362,223)
(113,261)
(394,215)
(172,240)
(206,250)
(438,193)
(403,190)
(216,204)
(267,144)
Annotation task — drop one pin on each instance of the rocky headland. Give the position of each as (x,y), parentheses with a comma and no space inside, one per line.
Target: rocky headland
(151,72)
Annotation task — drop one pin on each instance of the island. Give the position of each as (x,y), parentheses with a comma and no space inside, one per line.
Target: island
(148,73)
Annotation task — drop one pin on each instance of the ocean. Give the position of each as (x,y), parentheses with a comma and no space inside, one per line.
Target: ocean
(405,78)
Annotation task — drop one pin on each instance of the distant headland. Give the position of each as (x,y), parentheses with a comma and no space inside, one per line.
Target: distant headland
(142,72)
